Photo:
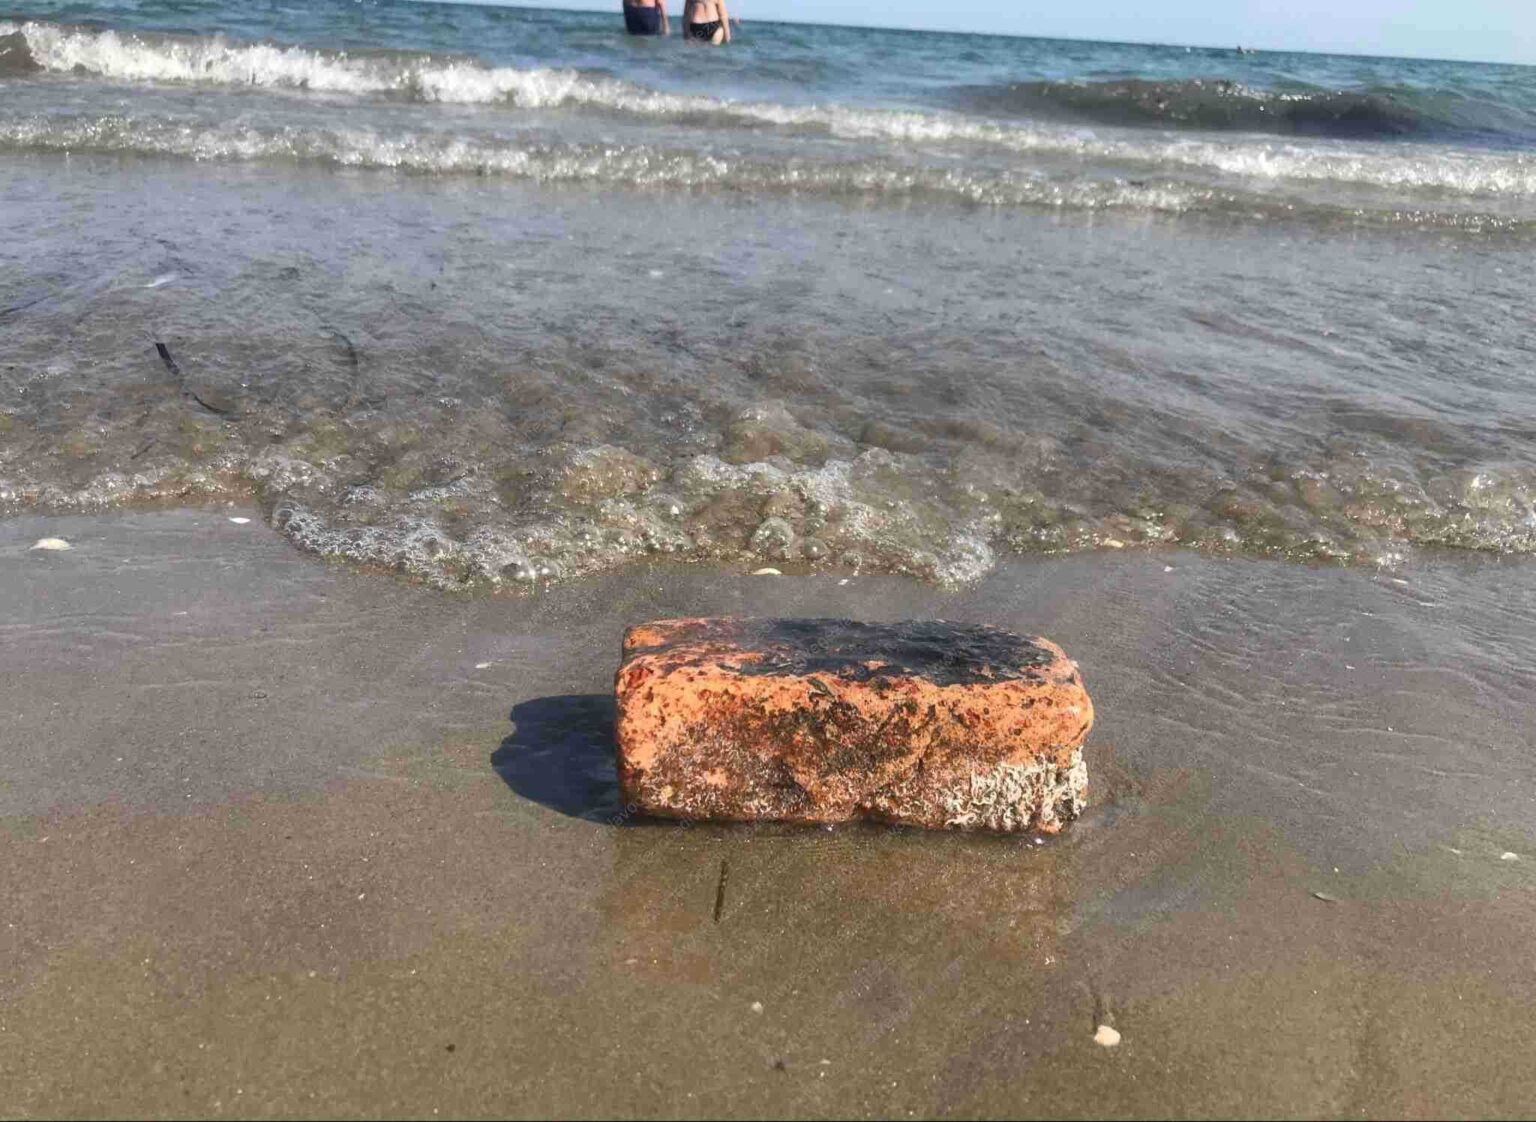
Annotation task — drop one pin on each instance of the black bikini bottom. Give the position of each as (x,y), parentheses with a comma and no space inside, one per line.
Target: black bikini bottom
(704,32)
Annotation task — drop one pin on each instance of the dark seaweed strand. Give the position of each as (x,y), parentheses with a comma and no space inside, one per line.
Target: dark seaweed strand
(720,889)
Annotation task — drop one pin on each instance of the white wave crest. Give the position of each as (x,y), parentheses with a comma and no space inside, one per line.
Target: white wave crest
(129,57)
(133,58)
(633,164)
(1251,161)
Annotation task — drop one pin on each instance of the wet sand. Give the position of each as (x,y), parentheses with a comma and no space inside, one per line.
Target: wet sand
(285,839)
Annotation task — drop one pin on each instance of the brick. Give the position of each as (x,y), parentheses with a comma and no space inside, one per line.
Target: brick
(815,720)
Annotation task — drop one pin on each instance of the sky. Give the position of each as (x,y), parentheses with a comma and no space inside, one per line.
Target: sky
(1488,30)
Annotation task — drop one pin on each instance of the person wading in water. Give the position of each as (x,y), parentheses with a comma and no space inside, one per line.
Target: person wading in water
(706,21)
(646,17)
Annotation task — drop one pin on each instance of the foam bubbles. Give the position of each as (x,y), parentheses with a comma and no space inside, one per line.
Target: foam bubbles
(1145,169)
(878,510)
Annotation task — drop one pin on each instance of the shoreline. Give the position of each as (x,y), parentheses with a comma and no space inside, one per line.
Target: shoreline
(329,844)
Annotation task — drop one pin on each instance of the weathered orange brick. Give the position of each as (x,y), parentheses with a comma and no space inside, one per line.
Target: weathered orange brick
(820,720)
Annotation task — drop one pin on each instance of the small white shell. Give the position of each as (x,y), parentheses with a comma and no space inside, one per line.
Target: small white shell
(1106,1036)
(52,543)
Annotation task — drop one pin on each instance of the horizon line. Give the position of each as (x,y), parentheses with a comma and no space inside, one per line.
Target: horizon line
(539,5)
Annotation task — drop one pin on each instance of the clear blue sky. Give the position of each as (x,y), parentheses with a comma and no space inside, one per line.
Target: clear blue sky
(1491,30)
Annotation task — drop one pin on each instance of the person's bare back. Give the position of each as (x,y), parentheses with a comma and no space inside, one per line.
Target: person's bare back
(706,21)
(646,17)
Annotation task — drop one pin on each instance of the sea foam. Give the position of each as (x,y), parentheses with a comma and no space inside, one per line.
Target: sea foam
(1423,168)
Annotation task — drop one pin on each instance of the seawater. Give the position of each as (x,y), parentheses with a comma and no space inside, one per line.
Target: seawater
(494,296)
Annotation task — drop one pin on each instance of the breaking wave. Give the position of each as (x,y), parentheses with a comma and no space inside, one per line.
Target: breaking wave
(638,164)
(1241,169)
(617,164)
(128,57)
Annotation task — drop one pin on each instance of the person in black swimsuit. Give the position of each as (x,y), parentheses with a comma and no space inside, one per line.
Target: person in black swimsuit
(646,17)
(706,21)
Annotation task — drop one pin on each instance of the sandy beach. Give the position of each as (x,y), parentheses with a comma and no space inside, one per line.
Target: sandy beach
(287,839)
